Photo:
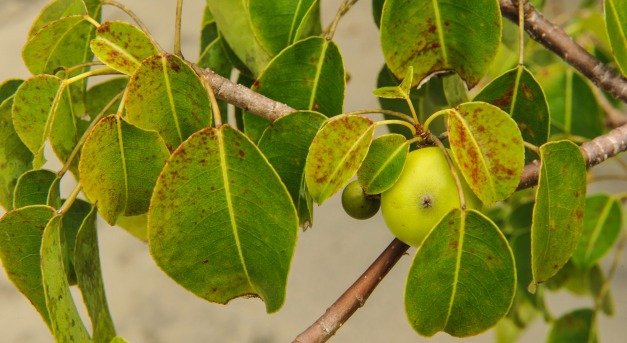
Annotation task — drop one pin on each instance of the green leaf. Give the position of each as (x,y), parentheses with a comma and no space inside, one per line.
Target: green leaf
(377,8)
(573,105)
(308,75)
(89,276)
(234,20)
(65,321)
(122,46)
(8,88)
(276,23)
(101,94)
(602,224)
(15,158)
(518,93)
(166,95)
(72,221)
(488,148)
(33,188)
(589,282)
(42,109)
(462,279)
(119,167)
(21,233)
(285,144)
(397,92)
(558,213)
(336,154)
(383,164)
(454,90)
(576,326)
(135,225)
(616,23)
(221,222)
(433,36)
(215,58)
(62,43)
(65,8)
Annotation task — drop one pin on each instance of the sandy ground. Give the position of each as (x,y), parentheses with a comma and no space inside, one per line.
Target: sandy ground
(148,307)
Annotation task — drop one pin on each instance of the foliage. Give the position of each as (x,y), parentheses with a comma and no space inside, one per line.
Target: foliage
(220,203)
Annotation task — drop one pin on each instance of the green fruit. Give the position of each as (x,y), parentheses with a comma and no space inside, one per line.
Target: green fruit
(357,204)
(424,193)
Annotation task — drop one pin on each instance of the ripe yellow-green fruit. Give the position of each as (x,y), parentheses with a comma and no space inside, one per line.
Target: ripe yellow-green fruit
(424,193)
(357,204)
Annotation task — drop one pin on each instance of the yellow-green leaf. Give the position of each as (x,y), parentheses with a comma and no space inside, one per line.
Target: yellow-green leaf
(383,164)
(616,23)
(221,222)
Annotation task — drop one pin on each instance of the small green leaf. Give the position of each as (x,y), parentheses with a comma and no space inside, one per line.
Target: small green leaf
(454,90)
(576,326)
(383,164)
(308,75)
(166,95)
(602,224)
(518,93)
(89,277)
(433,36)
(119,167)
(285,144)
(65,321)
(559,210)
(221,222)
(62,43)
(397,92)
(21,233)
(488,148)
(33,188)
(616,23)
(463,278)
(336,154)
(56,10)
(122,46)
(15,157)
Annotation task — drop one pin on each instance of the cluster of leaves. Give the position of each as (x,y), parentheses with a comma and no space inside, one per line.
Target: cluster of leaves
(220,204)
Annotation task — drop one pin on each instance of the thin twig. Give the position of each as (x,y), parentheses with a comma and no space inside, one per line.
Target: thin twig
(556,40)
(330,31)
(177,28)
(354,297)
(138,21)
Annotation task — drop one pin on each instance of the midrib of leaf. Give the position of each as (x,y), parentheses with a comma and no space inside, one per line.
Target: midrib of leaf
(229,205)
(618,22)
(340,164)
(166,78)
(546,184)
(51,115)
(208,48)
(475,144)
(438,20)
(458,261)
(386,162)
(598,227)
(293,26)
(512,106)
(118,123)
(568,105)
(314,92)
(119,49)
(59,41)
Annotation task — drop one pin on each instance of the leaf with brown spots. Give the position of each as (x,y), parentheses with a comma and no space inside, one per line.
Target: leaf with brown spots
(221,222)
(166,95)
(463,279)
(65,321)
(518,93)
(558,212)
(122,46)
(440,35)
(336,154)
(119,167)
(383,164)
(21,233)
(35,187)
(488,148)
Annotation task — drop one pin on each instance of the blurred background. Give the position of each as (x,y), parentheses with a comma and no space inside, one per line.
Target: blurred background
(149,307)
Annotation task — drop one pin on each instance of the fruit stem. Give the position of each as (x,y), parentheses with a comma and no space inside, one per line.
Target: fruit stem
(397,122)
(396,114)
(458,183)
(432,117)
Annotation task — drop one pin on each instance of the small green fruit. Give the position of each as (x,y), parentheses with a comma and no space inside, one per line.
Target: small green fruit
(424,193)
(357,204)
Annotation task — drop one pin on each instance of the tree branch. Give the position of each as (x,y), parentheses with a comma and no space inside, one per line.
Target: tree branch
(556,40)
(354,297)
